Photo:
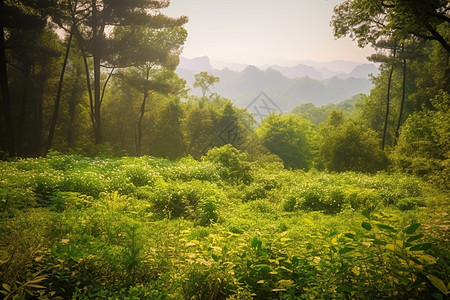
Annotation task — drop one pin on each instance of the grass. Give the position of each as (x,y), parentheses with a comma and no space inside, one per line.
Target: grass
(219,228)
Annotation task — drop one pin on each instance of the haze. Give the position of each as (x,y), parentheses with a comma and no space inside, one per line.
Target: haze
(264,31)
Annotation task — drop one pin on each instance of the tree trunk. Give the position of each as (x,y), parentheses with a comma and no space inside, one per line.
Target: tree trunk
(58,95)
(141,116)
(97,74)
(402,104)
(388,99)
(23,111)
(5,101)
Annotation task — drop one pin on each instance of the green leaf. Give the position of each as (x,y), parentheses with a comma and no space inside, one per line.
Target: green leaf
(379,242)
(345,250)
(438,296)
(6,287)
(350,235)
(36,286)
(386,227)
(438,283)
(412,228)
(366,226)
(420,247)
(366,214)
(415,238)
(344,288)
(215,257)
(255,242)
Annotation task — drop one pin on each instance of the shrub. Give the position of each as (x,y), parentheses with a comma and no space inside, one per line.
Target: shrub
(319,197)
(60,201)
(87,183)
(181,199)
(206,212)
(232,164)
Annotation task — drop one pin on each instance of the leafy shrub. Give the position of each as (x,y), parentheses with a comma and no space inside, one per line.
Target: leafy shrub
(363,199)
(190,169)
(232,164)
(13,198)
(207,281)
(87,183)
(180,199)
(410,203)
(289,204)
(206,212)
(140,175)
(326,199)
(61,201)
(46,184)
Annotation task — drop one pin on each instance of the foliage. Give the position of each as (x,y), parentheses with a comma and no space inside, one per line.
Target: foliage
(289,137)
(423,148)
(346,145)
(198,229)
(232,163)
(205,81)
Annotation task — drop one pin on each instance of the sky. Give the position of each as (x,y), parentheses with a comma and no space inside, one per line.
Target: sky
(263,31)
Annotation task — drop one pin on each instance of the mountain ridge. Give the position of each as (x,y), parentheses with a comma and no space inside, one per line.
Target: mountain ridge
(287,91)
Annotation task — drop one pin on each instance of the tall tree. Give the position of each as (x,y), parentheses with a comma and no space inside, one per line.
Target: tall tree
(13,15)
(101,17)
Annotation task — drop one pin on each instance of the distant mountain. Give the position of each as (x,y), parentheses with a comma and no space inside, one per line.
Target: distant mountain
(286,86)
(299,71)
(198,64)
(363,71)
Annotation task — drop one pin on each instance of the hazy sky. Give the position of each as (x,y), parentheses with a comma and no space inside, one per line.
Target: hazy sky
(263,31)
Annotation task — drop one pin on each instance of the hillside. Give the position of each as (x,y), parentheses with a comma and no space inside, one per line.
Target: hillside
(146,228)
(288,87)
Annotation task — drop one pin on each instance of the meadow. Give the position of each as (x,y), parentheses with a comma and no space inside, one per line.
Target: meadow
(222,227)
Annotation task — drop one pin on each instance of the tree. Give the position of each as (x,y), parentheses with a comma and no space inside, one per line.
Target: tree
(389,60)
(346,145)
(148,75)
(289,137)
(168,139)
(205,81)
(423,146)
(25,15)
(369,20)
(100,17)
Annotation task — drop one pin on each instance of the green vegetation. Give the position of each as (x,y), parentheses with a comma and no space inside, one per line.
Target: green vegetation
(114,184)
(222,227)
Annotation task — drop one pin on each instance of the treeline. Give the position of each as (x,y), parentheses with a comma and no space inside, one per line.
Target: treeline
(93,76)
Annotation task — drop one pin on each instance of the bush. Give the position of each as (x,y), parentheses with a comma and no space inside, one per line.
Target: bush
(232,164)
(87,183)
(322,198)
(181,199)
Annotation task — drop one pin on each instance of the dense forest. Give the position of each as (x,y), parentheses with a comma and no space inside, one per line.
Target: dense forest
(115,183)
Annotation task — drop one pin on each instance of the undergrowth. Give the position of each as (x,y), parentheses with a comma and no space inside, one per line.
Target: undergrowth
(219,228)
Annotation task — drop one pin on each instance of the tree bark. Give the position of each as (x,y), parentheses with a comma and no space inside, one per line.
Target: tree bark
(388,99)
(23,111)
(402,104)
(97,74)
(6,101)
(141,116)
(58,95)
